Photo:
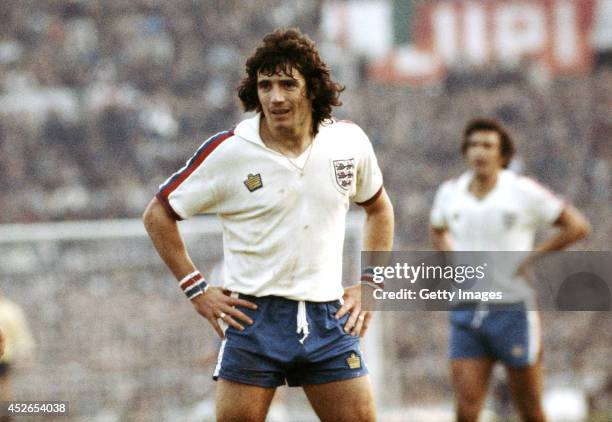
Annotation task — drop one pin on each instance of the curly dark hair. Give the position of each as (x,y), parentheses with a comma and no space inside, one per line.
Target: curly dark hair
(281,51)
(483,124)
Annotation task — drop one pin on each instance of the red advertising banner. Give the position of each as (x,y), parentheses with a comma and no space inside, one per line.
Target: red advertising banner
(469,34)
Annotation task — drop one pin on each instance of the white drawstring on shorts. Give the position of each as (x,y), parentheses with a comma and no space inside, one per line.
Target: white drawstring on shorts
(302,320)
(481,312)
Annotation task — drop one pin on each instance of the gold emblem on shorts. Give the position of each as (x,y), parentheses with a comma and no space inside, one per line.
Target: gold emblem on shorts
(517,351)
(253,182)
(354,361)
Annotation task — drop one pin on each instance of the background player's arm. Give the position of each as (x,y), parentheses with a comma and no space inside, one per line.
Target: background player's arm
(166,237)
(377,236)
(441,238)
(572,226)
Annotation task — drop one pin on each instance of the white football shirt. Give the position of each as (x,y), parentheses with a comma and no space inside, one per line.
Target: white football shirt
(506,219)
(283,228)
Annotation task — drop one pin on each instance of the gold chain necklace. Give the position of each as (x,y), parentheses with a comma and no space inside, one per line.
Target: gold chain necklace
(298,168)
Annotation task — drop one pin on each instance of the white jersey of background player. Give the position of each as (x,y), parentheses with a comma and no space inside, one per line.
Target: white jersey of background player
(506,219)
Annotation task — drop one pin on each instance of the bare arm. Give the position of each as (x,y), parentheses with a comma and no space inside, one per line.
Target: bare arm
(164,233)
(166,237)
(379,224)
(377,236)
(572,225)
(441,239)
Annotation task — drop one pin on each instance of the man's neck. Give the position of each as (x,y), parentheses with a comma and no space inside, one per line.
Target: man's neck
(482,184)
(291,144)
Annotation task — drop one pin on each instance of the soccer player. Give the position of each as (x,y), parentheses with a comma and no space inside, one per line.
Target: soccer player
(490,208)
(16,344)
(281,183)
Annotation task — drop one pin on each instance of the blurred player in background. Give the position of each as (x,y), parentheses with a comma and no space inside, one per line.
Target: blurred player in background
(17,344)
(490,208)
(281,182)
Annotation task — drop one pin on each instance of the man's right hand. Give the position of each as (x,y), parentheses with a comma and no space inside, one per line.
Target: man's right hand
(215,304)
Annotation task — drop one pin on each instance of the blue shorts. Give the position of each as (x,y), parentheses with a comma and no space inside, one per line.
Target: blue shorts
(269,353)
(507,333)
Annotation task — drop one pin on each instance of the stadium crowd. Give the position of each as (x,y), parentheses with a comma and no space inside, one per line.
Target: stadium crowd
(101,100)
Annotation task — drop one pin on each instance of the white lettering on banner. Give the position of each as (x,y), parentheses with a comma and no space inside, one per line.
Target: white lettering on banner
(520,32)
(566,40)
(363,27)
(444,20)
(475,43)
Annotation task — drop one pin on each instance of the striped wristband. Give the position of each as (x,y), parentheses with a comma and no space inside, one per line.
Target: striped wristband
(367,278)
(193,285)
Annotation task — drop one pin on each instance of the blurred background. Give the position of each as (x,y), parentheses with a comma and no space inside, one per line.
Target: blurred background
(101,100)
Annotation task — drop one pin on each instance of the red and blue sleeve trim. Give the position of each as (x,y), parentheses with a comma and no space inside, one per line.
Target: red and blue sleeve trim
(198,158)
(194,162)
(164,201)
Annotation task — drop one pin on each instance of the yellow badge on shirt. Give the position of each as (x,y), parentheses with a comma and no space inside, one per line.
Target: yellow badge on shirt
(253,182)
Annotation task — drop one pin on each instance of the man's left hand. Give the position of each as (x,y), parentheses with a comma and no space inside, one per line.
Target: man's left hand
(358,321)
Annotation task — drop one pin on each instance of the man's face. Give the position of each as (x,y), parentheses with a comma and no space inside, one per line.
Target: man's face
(284,101)
(483,152)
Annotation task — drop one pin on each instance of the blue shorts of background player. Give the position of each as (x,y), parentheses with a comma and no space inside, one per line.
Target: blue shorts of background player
(270,352)
(507,333)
